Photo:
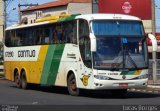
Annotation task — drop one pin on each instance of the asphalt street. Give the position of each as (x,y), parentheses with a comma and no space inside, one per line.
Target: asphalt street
(43,95)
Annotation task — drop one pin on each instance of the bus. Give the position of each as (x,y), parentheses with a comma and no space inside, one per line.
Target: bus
(92,51)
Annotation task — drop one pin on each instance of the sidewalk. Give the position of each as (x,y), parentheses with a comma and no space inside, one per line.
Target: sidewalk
(151,88)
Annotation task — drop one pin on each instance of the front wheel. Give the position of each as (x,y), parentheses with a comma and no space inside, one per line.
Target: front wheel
(72,86)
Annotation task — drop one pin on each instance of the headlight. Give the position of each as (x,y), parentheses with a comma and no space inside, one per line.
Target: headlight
(143,76)
(101,77)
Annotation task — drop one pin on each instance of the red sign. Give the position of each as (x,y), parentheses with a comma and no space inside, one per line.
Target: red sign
(139,8)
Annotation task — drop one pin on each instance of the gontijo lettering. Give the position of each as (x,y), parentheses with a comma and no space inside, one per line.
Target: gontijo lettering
(26,53)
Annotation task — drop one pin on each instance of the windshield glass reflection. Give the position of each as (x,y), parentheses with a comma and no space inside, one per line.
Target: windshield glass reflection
(120,53)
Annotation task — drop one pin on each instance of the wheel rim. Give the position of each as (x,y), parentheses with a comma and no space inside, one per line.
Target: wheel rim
(73,86)
(17,81)
(23,82)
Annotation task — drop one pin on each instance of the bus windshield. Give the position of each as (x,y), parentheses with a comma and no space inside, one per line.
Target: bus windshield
(122,48)
(117,27)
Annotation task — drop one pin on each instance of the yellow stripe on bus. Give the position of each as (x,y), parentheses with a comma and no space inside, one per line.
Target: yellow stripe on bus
(138,72)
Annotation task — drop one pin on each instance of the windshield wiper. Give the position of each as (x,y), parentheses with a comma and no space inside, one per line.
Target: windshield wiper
(131,60)
(115,65)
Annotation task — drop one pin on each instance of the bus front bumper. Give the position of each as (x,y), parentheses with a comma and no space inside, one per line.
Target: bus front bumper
(120,84)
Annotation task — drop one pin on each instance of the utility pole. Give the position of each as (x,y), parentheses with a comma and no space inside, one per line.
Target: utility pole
(94,6)
(19,12)
(4,14)
(19,9)
(153,18)
(154,65)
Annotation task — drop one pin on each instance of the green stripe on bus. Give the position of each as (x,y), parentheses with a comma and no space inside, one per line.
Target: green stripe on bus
(72,17)
(55,64)
(51,64)
(47,64)
(127,72)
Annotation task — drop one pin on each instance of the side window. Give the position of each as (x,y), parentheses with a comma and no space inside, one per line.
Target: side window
(30,37)
(73,32)
(54,34)
(83,28)
(58,33)
(46,35)
(38,34)
(84,43)
(19,40)
(64,32)
(8,39)
(68,32)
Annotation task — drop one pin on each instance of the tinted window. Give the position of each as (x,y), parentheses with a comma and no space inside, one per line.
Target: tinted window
(60,33)
(84,42)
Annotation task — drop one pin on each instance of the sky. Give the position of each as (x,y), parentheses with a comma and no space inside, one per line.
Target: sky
(12,10)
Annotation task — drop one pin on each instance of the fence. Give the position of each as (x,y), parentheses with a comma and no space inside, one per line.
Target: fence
(151,69)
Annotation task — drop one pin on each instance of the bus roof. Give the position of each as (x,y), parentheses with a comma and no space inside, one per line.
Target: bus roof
(60,18)
(107,16)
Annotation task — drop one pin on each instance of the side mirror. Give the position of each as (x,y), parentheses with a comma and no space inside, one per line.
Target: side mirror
(154,42)
(93,43)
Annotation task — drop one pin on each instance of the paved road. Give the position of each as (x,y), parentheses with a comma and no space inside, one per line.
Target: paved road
(41,95)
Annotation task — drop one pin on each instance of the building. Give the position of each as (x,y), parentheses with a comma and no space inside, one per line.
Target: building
(29,15)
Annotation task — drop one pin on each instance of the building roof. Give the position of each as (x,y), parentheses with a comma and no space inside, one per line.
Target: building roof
(55,4)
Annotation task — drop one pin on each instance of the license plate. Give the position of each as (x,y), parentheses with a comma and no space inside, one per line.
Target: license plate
(123,85)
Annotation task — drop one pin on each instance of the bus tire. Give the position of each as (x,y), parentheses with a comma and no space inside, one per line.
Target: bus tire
(24,80)
(17,80)
(72,86)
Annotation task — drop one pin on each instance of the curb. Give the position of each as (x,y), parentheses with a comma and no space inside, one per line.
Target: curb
(145,91)
(150,89)
(153,86)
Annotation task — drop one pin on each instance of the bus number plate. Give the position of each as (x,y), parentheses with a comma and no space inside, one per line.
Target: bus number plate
(123,85)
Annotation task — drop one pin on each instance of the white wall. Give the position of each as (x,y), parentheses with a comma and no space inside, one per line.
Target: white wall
(147,26)
(31,15)
(80,8)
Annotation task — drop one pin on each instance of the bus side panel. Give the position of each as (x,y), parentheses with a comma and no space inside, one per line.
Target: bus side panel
(68,63)
(33,66)
(7,71)
(72,61)
(36,68)
(51,64)
(19,65)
